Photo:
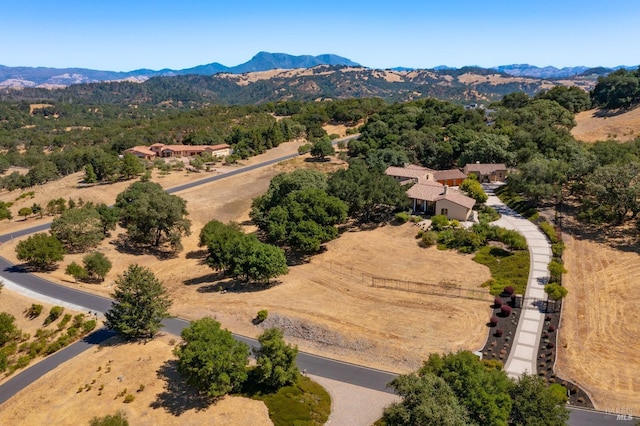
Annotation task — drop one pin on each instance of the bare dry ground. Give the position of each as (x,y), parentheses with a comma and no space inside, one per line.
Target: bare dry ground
(598,337)
(89,385)
(593,125)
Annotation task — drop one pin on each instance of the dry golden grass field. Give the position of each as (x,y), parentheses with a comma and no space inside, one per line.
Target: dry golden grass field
(594,126)
(89,385)
(599,336)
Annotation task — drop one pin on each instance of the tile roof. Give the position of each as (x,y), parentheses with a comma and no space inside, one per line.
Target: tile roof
(457,198)
(406,172)
(485,169)
(425,191)
(141,150)
(448,174)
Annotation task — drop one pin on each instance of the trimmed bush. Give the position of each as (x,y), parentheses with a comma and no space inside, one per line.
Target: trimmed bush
(552,328)
(402,217)
(54,314)
(493,321)
(429,238)
(508,290)
(34,311)
(262,315)
(499,333)
(551,345)
(505,310)
(497,302)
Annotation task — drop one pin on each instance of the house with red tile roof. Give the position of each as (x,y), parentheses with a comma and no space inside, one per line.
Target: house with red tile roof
(431,191)
(159,150)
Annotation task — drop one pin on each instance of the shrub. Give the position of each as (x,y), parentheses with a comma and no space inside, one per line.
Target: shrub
(552,328)
(439,222)
(559,391)
(429,238)
(493,320)
(65,320)
(557,249)
(551,345)
(555,291)
(508,290)
(262,315)
(499,332)
(556,269)
(129,398)
(505,310)
(54,314)
(497,302)
(34,311)
(402,217)
(89,326)
(549,231)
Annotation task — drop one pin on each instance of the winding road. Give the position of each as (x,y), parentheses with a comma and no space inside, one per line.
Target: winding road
(39,288)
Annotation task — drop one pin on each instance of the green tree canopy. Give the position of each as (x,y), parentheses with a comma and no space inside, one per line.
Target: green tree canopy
(97,265)
(370,195)
(427,400)
(473,189)
(152,216)
(281,186)
(276,360)
(140,304)
(620,89)
(76,271)
(483,392)
(255,260)
(572,98)
(42,251)
(131,166)
(210,358)
(78,228)
(305,219)
(8,329)
(534,404)
(322,148)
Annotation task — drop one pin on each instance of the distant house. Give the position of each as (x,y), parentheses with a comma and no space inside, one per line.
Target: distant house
(487,172)
(409,174)
(142,152)
(159,150)
(415,174)
(433,198)
(430,191)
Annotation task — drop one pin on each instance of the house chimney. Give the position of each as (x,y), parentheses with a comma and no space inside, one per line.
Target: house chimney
(446,187)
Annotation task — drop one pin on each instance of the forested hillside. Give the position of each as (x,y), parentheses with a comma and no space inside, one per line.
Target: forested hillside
(464,85)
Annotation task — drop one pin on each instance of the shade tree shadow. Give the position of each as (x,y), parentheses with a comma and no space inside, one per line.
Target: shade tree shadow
(177,397)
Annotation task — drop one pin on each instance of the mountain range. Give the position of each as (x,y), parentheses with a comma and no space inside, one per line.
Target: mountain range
(20,77)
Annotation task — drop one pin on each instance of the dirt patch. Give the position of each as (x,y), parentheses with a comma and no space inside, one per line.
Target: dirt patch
(89,385)
(593,125)
(597,341)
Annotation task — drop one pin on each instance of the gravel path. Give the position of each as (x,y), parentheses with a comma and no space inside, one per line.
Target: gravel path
(352,405)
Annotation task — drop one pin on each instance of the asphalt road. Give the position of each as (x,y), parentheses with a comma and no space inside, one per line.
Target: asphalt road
(313,364)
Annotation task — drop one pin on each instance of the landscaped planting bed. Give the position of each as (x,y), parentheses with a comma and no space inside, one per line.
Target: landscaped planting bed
(502,326)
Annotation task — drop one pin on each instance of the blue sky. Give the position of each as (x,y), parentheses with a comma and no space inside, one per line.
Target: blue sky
(123,35)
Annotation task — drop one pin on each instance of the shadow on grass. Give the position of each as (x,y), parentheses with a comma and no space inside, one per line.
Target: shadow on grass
(237,286)
(177,397)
